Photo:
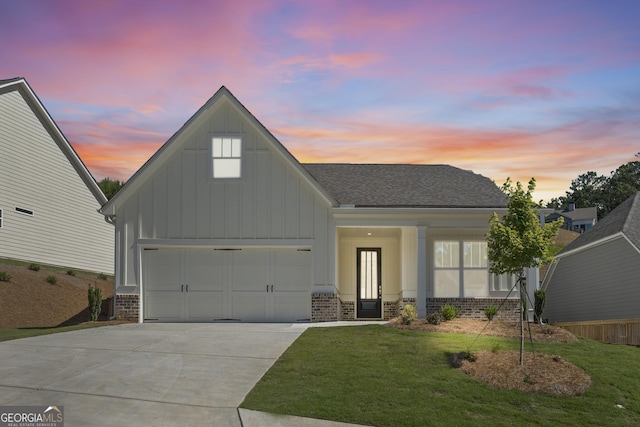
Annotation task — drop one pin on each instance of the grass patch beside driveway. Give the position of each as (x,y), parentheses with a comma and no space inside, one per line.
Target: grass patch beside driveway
(7,334)
(380,376)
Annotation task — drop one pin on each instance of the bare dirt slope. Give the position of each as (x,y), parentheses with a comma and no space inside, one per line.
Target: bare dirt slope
(28,300)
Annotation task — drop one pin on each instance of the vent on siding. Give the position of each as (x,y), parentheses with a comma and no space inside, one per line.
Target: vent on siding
(304,250)
(150,249)
(227,249)
(24,211)
(0,218)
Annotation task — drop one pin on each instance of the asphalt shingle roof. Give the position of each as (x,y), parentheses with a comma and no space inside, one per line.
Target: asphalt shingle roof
(579,213)
(625,218)
(418,186)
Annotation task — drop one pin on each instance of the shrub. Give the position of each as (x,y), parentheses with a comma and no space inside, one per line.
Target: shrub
(34,267)
(490,312)
(449,312)
(540,297)
(409,314)
(470,356)
(52,279)
(4,276)
(94,296)
(102,276)
(71,272)
(434,318)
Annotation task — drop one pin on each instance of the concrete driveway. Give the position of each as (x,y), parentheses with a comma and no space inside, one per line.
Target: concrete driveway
(143,374)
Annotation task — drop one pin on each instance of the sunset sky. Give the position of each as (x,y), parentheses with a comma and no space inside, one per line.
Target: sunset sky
(543,88)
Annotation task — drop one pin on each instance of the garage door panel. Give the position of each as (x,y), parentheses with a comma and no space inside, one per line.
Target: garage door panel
(163,270)
(249,271)
(162,306)
(291,306)
(253,285)
(249,307)
(292,270)
(205,306)
(205,271)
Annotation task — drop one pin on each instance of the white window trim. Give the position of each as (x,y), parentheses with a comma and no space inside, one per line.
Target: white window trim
(239,157)
(461,268)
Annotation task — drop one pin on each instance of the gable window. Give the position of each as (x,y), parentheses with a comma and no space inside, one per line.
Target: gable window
(460,269)
(226,157)
(24,211)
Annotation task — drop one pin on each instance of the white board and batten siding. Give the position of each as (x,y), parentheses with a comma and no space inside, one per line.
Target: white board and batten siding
(179,206)
(597,283)
(36,175)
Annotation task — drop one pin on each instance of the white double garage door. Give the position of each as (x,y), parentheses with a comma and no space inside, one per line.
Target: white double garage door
(204,285)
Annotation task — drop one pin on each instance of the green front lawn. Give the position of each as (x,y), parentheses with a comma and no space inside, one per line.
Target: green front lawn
(7,334)
(380,376)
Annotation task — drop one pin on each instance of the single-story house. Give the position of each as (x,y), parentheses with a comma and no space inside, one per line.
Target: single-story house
(575,219)
(597,276)
(49,200)
(223,223)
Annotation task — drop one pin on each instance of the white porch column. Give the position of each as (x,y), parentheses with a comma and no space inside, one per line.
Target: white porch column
(421,299)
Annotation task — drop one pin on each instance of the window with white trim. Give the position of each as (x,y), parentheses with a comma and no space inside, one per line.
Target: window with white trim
(226,157)
(460,269)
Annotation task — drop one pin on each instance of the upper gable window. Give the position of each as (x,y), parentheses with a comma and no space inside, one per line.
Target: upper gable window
(226,157)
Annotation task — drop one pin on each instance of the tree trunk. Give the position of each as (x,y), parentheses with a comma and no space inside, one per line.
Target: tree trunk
(523,293)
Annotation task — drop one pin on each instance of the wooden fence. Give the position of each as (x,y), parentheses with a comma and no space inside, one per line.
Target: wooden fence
(626,331)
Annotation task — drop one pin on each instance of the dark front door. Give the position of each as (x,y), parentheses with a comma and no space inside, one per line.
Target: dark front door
(369,304)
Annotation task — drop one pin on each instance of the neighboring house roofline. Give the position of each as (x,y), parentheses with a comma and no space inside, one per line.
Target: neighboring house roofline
(20,84)
(590,245)
(171,144)
(623,219)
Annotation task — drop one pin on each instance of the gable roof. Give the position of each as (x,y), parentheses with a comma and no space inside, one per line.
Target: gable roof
(172,144)
(20,84)
(402,185)
(579,214)
(624,219)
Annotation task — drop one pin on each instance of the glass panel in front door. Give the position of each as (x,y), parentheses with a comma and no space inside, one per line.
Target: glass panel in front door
(369,275)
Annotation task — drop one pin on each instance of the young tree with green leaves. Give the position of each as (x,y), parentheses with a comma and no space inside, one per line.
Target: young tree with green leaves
(518,241)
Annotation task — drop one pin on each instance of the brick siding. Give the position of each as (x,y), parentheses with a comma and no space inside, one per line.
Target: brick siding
(324,307)
(473,308)
(127,307)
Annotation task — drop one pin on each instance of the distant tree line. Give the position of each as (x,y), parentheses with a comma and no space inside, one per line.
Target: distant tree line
(603,192)
(110,187)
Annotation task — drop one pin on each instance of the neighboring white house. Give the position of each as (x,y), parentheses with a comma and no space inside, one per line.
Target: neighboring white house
(223,223)
(597,276)
(48,199)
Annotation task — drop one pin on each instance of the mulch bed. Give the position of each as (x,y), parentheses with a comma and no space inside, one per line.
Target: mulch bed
(541,373)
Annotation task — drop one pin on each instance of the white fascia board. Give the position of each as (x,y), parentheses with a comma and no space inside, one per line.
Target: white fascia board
(226,243)
(440,217)
(593,244)
(157,159)
(64,144)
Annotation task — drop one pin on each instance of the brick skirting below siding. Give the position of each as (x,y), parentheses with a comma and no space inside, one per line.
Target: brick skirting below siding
(127,307)
(324,307)
(473,308)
